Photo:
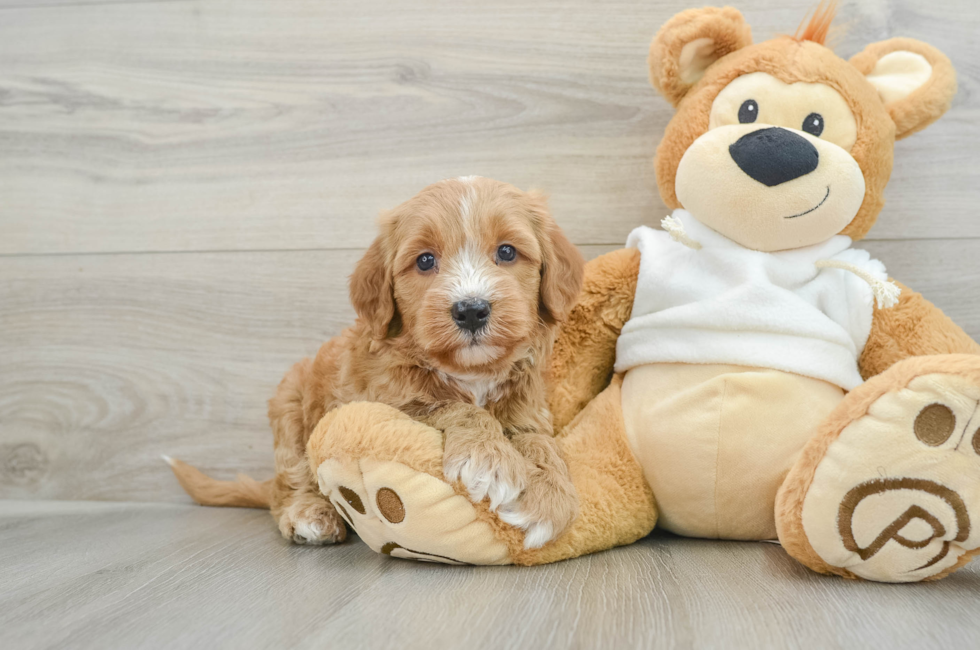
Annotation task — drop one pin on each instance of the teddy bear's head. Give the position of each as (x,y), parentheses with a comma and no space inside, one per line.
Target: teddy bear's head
(783,144)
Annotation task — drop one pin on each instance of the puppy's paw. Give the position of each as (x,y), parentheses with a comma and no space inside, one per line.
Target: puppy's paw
(547,507)
(312,521)
(488,469)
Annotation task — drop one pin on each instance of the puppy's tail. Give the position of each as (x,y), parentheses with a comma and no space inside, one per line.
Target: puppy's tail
(245,492)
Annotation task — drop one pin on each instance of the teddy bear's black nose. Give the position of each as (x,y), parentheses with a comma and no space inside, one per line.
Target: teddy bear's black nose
(774,155)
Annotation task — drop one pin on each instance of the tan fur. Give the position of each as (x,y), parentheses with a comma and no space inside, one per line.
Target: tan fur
(789,61)
(726,27)
(475,436)
(913,327)
(789,500)
(617,505)
(582,364)
(354,430)
(405,351)
(245,492)
(793,60)
(926,104)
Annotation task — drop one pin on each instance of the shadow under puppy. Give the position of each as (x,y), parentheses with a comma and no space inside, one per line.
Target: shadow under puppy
(458,301)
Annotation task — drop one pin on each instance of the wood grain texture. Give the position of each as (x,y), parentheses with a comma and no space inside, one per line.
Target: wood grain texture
(166,576)
(247,124)
(109,361)
(184,187)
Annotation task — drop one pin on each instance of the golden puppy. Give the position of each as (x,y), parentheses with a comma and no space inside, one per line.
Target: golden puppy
(457,303)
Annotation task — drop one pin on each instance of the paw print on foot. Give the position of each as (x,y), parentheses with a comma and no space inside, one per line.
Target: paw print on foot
(896,497)
(405,513)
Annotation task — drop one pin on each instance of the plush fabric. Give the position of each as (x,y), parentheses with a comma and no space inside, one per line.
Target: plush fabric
(727,304)
(435,522)
(928,101)
(756,214)
(913,327)
(582,361)
(732,412)
(618,505)
(721,31)
(789,61)
(777,102)
(965,369)
(917,520)
(716,441)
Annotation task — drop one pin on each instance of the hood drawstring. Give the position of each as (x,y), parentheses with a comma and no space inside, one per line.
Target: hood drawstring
(675,229)
(886,293)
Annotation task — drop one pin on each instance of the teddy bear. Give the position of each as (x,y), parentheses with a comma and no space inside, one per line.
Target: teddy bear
(745,372)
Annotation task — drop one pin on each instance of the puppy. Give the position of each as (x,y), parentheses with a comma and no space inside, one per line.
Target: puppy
(457,303)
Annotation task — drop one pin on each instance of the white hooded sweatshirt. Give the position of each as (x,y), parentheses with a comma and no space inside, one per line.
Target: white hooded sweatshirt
(727,304)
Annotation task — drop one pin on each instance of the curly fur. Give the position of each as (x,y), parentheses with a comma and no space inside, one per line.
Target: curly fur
(405,351)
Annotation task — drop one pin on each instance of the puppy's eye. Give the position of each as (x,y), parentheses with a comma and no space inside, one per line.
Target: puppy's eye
(425,261)
(748,112)
(506,253)
(813,124)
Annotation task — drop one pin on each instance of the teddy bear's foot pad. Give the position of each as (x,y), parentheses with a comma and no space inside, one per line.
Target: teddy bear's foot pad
(404,513)
(896,497)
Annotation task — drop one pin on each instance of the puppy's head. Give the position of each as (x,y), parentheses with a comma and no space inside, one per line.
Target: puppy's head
(470,271)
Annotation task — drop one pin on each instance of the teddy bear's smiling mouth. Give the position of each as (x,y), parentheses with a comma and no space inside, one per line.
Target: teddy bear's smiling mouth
(822,201)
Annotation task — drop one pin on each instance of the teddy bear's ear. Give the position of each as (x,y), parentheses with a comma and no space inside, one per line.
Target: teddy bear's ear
(690,42)
(915,81)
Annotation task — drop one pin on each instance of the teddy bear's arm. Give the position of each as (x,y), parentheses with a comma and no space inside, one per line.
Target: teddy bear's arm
(585,350)
(913,327)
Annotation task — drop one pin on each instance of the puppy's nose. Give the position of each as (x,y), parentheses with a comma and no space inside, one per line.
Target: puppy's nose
(471,314)
(774,155)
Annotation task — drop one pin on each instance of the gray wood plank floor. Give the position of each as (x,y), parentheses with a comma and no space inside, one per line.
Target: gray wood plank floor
(185,186)
(171,576)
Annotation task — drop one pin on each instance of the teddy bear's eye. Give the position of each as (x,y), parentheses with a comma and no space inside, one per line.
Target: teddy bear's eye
(748,112)
(813,124)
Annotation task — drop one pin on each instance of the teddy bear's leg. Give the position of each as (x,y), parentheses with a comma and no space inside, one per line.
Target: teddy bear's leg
(383,473)
(616,504)
(888,489)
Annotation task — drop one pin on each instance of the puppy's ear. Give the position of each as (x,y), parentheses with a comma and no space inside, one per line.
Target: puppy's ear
(372,287)
(562,265)
(915,81)
(690,42)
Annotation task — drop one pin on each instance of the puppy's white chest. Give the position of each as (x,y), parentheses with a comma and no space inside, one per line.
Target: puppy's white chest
(481,389)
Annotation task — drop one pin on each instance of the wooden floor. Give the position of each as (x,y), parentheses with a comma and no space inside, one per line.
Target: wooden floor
(173,576)
(185,186)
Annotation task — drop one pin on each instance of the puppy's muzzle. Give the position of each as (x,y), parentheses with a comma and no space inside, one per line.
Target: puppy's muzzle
(471,314)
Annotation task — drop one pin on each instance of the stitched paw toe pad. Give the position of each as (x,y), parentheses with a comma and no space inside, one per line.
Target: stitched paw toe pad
(896,498)
(404,513)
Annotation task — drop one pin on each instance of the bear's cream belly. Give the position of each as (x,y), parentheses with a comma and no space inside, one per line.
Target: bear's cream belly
(716,441)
